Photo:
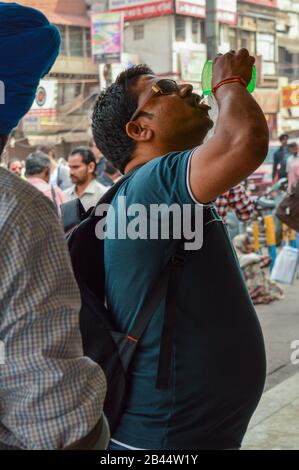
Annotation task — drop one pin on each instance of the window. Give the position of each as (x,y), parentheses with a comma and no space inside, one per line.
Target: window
(196,30)
(138,32)
(232,38)
(286,63)
(63,33)
(247,41)
(76,41)
(180,28)
(67,92)
(87,42)
(203,32)
(265,46)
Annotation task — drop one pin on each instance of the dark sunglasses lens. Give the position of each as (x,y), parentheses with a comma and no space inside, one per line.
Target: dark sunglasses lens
(168,86)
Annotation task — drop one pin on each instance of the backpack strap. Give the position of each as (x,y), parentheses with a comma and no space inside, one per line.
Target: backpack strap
(165,287)
(176,269)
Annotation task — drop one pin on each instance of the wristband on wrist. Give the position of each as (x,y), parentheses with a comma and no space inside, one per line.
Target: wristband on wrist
(235,79)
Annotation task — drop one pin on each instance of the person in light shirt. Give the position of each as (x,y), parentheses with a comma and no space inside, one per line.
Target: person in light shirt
(293,164)
(82,166)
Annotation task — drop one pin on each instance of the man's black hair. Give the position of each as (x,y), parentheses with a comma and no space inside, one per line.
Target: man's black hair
(86,154)
(283,136)
(293,144)
(112,111)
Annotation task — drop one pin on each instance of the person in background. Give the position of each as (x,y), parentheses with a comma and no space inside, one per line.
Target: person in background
(293,164)
(60,173)
(82,165)
(261,288)
(280,159)
(51,395)
(100,161)
(37,172)
(16,167)
(110,176)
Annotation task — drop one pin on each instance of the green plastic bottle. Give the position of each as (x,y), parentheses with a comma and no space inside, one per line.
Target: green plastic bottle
(206,79)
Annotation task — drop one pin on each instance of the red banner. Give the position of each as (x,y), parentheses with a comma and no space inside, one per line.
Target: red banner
(266,3)
(148,10)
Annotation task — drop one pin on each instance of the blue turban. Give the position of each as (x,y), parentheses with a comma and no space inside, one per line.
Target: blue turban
(29,45)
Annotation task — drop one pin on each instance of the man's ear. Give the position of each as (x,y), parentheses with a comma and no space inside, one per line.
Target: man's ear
(46,173)
(91,167)
(140,132)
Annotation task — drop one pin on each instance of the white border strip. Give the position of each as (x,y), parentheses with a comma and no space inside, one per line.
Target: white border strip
(188,183)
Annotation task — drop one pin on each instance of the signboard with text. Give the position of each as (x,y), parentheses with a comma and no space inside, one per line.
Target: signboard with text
(191,8)
(266,3)
(290,96)
(139,9)
(106,37)
(45,103)
(227,11)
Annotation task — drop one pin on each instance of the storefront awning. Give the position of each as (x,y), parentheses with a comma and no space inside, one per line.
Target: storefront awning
(68,20)
(56,139)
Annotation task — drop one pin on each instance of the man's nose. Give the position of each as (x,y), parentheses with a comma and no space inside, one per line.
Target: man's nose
(185,90)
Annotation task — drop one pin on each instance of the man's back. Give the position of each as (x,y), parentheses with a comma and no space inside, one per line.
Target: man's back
(51,396)
(218,360)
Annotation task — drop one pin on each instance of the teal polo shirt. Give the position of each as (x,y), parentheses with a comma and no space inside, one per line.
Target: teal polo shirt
(218,355)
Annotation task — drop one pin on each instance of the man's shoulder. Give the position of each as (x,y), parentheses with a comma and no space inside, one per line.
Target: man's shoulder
(14,187)
(163,179)
(99,187)
(18,197)
(165,163)
(69,191)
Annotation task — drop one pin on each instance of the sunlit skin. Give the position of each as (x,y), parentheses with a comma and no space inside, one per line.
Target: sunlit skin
(178,122)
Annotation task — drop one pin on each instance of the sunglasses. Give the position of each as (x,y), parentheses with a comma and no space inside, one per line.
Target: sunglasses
(164,86)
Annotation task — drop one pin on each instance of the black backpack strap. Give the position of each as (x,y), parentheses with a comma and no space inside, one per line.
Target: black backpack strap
(166,286)
(176,269)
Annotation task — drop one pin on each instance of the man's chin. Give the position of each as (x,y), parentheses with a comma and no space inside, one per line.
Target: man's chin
(206,127)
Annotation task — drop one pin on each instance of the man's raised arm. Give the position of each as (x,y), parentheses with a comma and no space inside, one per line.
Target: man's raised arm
(241,138)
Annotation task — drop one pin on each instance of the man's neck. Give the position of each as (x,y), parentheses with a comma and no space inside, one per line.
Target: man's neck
(80,188)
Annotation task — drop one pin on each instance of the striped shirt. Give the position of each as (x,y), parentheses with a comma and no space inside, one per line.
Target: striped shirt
(50,394)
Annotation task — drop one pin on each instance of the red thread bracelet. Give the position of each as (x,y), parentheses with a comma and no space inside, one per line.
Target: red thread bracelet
(236,79)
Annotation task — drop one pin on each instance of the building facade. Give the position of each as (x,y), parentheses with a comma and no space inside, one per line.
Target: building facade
(171,38)
(60,114)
